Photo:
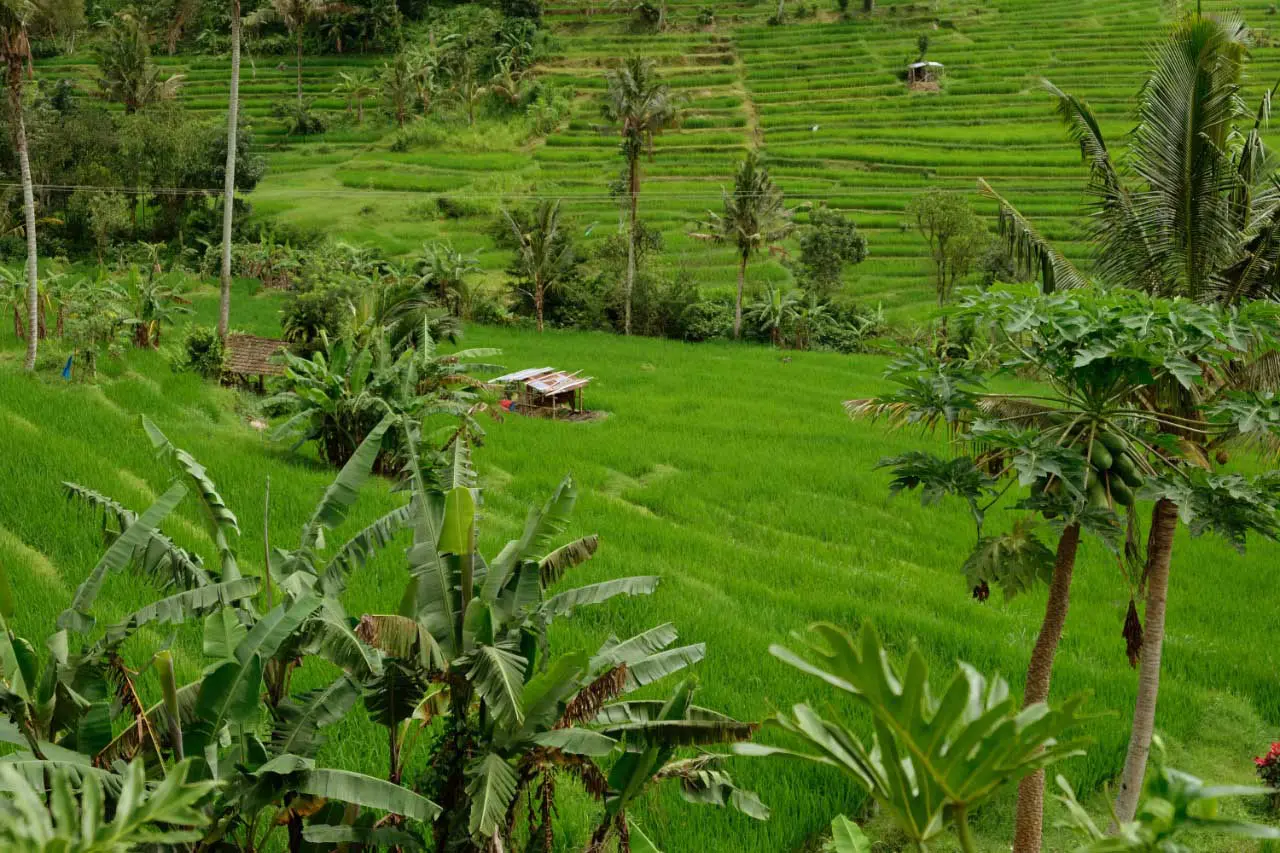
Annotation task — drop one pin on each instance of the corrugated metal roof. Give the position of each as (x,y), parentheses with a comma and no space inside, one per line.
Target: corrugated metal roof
(524,375)
(558,382)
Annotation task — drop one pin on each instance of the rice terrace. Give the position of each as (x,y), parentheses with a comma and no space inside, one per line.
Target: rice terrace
(653,425)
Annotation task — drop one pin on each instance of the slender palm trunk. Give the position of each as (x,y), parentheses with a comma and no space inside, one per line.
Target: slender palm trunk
(868,6)
(633,187)
(229,187)
(1029,823)
(1164,522)
(28,210)
(780,10)
(299,66)
(539,299)
(737,307)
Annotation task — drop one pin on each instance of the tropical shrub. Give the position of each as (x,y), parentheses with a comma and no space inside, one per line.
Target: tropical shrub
(339,395)
(203,351)
(314,312)
(1268,766)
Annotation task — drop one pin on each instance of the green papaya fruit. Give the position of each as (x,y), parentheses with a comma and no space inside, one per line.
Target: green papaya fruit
(1099,456)
(1097,493)
(1124,466)
(1116,444)
(1120,493)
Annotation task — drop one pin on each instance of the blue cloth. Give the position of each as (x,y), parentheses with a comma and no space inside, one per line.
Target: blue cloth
(66,370)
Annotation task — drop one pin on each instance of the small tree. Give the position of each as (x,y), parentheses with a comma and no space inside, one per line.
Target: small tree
(955,234)
(545,254)
(754,218)
(642,106)
(356,87)
(445,270)
(827,245)
(398,89)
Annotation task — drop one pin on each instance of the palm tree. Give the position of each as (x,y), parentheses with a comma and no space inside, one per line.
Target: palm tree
(754,217)
(15,50)
(229,180)
(544,252)
(1190,211)
(356,86)
(128,75)
(297,15)
(446,269)
(642,106)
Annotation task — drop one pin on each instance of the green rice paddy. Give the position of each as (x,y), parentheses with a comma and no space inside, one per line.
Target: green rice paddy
(729,471)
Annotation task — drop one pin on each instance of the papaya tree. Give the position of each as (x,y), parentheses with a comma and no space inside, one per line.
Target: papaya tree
(1187,210)
(470,644)
(1082,448)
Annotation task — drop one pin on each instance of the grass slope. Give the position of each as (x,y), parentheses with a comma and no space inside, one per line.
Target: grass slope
(728,471)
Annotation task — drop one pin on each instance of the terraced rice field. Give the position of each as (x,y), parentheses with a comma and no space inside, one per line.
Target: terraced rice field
(821,96)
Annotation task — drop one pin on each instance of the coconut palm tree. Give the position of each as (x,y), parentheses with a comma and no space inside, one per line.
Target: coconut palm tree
(229,180)
(15,51)
(642,106)
(356,87)
(297,16)
(1192,210)
(545,254)
(754,218)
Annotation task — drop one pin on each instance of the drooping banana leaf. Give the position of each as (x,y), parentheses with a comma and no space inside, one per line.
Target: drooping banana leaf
(178,608)
(554,565)
(76,617)
(498,675)
(223,526)
(541,526)
(343,491)
(300,720)
(159,555)
(366,791)
(357,550)
(337,836)
(562,604)
(491,787)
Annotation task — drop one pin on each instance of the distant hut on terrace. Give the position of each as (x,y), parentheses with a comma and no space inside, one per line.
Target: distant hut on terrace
(248,356)
(925,74)
(546,392)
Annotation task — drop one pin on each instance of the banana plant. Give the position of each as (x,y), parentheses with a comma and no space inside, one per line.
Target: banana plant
(238,724)
(470,643)
(932,758)
(143,817)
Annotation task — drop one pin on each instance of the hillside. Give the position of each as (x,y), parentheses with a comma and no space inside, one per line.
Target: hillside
(820,96)
(728,471)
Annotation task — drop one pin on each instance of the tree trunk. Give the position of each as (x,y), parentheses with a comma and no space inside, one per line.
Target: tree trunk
(539,298)
(1164,522)
(1029,823)
(868,6)
(633,187)
(780,10)
(229,186)
(737,307)
(28,210)
(299,61)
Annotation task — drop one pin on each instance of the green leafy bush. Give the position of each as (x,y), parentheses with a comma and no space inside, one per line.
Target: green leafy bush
(203,351)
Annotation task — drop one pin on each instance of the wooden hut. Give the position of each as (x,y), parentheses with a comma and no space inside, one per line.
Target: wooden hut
(249,356)
(546,392)
(925,75)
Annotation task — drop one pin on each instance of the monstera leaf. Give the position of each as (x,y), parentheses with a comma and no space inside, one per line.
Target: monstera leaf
(930,760)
